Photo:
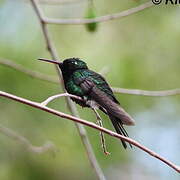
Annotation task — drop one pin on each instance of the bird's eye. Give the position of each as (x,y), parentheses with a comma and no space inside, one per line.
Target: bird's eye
(75,63)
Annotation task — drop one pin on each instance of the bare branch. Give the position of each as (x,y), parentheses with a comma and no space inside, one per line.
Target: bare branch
(72,107)
(90,124)
(99,19)
(48,146)
(49,44)
(51,79)
(34,74)
(139,92)
(48,100)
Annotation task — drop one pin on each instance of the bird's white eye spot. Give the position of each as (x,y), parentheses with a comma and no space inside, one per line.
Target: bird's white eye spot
(75,63)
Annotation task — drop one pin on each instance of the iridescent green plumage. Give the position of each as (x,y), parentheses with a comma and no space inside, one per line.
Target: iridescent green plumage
(91,86)
(94,91)
(73,88)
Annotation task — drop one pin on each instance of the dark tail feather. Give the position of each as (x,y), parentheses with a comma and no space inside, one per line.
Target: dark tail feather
(119,129)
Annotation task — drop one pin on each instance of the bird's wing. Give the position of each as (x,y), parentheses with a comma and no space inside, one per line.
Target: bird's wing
(100,83)
(96,94)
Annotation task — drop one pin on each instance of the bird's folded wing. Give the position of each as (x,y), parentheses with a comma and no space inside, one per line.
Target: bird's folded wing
(104,101)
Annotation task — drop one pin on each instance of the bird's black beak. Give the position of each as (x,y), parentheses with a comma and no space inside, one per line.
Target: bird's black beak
(51,61)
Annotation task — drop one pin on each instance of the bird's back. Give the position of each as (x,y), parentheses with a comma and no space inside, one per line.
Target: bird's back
(97,79)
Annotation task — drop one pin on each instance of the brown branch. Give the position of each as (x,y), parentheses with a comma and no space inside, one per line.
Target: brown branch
(90,124)
(48,146)
(34,74)
(99,19)
(72,107)
(99,120)
(139,92)
(51,79)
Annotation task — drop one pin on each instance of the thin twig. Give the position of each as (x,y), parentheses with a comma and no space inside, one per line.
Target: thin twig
(90,124)
(72,107)
(139,92)
(48,100)
(99,120)
(34,74)
(51,79)
(99,19)
(103,142)
(48,146)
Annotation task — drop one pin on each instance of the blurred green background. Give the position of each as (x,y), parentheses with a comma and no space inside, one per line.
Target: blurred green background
(141,51)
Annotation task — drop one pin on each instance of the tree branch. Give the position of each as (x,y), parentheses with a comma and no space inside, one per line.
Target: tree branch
(139,92)
(99,19)
(51,79)
(48,146)
(90,124)
(48,100)
(34,74)
(72,107)
(99,120)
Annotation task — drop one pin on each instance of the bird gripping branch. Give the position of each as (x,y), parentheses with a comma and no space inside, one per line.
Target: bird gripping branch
(79,80)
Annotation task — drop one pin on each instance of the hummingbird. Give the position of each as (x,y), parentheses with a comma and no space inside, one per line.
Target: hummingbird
(79,80)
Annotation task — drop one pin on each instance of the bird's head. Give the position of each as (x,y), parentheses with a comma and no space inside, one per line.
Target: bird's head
(72,64)
(68,65)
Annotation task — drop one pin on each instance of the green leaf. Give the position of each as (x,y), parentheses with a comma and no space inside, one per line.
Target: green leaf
(91,27)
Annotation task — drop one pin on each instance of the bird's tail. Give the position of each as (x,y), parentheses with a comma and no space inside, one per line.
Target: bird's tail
(119,129)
